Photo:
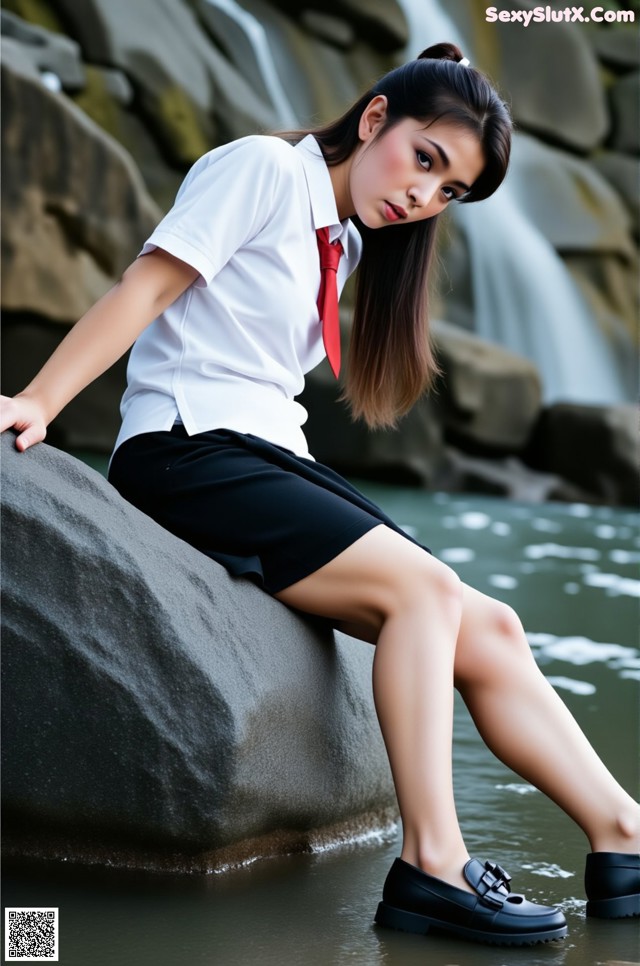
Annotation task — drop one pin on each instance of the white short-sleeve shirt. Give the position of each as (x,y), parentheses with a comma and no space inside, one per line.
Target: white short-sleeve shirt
(232,351)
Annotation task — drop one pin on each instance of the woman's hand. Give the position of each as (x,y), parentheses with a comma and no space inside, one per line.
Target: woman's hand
(25,415)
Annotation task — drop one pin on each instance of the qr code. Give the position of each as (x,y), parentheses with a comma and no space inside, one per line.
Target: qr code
(31,934)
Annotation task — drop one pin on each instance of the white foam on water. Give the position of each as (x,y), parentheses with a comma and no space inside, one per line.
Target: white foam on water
(580,510)
(568,684)
(631,675)
(575,905)
(551,870)
(605,531)
(546,526)
(503,581)
(373,836)
(474,520)
(581,650)
(518,788)
(571,588)
(624,556)
(501,529)
(457,554)
(614,584)
(537,551)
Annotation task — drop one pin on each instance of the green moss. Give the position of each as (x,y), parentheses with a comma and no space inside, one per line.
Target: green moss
(96,101)
(179,126)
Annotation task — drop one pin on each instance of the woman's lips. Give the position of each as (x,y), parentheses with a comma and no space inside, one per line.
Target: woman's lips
(394,212)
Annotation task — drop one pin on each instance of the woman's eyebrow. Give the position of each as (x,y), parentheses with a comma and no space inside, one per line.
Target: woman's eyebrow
(445,160)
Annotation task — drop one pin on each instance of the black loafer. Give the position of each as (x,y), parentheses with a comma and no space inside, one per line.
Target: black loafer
(414,901)
(612,884)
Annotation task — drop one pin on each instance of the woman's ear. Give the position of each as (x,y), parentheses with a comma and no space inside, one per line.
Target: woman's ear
(374,114)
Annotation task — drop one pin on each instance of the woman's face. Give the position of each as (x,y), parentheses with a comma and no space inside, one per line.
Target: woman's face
(412,171)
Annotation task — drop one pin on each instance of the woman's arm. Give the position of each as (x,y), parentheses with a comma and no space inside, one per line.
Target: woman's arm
(96,341)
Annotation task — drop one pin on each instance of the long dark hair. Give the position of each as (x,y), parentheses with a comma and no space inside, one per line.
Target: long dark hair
(391,360)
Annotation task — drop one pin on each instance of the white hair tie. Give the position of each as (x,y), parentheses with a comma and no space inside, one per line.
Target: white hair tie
(465,62)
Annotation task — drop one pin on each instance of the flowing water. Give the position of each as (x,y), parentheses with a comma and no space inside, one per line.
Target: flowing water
(572,574)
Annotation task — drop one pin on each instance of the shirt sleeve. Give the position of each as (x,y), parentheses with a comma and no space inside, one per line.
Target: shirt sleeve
(224,201)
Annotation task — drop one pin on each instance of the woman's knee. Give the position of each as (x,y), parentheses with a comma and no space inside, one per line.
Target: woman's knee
(491,641)
(415,580)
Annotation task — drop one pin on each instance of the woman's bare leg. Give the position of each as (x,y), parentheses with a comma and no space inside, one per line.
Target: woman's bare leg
(528,727)
(432,631)
(413,602)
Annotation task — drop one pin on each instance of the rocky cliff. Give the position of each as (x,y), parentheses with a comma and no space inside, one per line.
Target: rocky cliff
(121,98)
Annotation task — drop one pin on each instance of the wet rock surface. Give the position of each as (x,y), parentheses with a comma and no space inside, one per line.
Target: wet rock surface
(72,225)
(594,447)
(488,398)
(155,705)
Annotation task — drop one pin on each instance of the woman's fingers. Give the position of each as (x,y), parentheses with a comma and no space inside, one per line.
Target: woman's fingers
(25,416)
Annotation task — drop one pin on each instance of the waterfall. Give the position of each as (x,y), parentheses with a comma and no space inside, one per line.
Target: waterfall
(523,295)
(428,24)
(525,299)
(248,48)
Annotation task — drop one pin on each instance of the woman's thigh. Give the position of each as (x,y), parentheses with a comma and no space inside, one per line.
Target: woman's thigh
(366,583)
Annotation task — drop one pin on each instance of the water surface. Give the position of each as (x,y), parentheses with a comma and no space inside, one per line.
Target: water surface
(572,574)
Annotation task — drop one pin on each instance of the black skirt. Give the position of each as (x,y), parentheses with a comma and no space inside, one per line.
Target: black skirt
(257,509)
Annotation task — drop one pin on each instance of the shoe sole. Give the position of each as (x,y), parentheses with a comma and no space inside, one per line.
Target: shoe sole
(622,907)
(392,918)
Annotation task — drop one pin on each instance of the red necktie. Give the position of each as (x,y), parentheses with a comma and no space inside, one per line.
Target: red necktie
(328,297)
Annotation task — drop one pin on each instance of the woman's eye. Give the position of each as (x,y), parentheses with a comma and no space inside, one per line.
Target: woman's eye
(424,160)
(450,194)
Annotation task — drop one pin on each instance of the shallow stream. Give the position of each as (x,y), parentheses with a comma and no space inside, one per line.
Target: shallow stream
(572,574)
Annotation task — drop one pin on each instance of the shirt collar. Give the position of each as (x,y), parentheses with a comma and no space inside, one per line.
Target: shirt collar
(323,201)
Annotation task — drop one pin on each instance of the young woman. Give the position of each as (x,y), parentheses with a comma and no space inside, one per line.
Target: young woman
(222,303)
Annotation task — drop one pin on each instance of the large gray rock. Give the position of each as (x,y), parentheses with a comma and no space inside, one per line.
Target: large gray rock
(70,226)
(320,80)
(568,200)
(382,23)
(91,421)
(618,47)
(623,174)
(625,107)
(157,712)
(507,477)
(548,71)
(489,398)
(487,401)
(411,454)
(597,448)
(190,94)
(48,52)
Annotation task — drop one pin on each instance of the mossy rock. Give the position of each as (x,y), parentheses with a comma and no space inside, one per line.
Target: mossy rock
(98,103)
(180,129)
(37,12)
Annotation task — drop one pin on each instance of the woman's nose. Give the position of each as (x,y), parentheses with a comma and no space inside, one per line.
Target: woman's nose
(422,193)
